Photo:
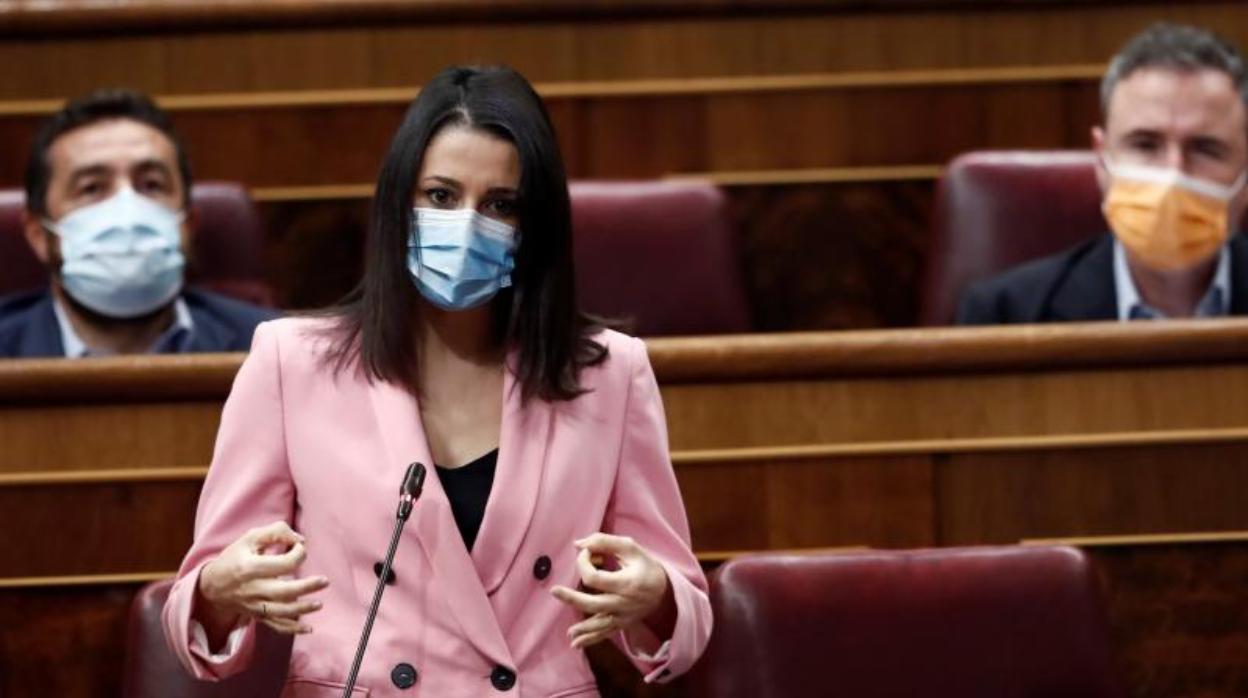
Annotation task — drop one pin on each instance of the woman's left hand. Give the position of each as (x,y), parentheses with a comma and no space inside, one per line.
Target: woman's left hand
(628,595)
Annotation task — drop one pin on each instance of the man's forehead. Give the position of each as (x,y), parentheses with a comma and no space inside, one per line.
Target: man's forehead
(113,143)
(1165,98)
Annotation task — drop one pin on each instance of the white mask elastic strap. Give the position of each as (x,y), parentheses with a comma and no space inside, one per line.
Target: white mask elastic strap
(1167,177)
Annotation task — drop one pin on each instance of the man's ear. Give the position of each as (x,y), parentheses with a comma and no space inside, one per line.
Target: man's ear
(1098,147)
(37,236)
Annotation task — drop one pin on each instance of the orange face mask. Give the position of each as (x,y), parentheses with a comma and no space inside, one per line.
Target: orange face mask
(1166,219)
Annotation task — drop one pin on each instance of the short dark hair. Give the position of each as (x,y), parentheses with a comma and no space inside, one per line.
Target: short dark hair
(100,105)
(537,315)
(1179,47)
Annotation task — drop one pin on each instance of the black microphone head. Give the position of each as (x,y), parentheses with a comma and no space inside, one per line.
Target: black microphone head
(413,481)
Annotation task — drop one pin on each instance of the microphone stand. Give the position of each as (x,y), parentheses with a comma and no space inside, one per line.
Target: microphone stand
(413,484)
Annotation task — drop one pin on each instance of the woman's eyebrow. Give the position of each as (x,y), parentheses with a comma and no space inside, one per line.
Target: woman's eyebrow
(442,180)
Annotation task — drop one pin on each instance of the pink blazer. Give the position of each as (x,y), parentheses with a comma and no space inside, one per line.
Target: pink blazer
(327,455)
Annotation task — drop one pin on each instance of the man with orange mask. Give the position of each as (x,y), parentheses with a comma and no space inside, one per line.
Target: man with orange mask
(1173,157)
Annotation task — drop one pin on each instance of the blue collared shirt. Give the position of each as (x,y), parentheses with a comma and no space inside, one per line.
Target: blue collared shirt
(173,340)
(1215,303)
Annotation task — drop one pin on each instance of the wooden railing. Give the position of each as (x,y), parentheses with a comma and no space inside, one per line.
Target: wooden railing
(1100,433)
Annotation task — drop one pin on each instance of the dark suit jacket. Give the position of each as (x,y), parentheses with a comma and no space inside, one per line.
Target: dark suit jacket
(28,325)
(1072,286)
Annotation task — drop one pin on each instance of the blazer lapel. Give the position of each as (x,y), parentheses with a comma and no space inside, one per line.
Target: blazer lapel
(432,524)
(42,337)
(1086,292)
(210,334)
(1238,249)
(522,447)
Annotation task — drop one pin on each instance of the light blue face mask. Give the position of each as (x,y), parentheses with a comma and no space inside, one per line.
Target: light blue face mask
(122,257)
(459,259)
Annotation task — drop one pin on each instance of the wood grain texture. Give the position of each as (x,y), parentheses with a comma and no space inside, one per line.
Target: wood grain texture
(882,502)
(1006,497)
(167,57)
(122,15)
(114,529)
(65,642)
(1179,617)
(646,135)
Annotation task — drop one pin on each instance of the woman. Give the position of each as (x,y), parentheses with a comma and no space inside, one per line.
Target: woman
(553,520)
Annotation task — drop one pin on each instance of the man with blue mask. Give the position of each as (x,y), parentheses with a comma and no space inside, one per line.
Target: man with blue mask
(107,212)
(1173,163)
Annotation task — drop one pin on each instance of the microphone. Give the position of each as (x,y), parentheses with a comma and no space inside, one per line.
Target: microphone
(409,492)
(413,485)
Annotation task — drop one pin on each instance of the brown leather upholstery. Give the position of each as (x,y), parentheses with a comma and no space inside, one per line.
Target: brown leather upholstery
(152,671)
(995,210)
(998,622)
(228,254)
(661,255)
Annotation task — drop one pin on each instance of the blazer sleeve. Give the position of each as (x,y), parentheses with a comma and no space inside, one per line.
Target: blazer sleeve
(248,485)
(646,506)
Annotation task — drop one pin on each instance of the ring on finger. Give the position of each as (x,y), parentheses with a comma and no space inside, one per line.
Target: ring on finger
(264,610)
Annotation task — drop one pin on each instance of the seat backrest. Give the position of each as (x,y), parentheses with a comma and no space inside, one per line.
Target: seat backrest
(999,622)
(997,209)
(228,254)
(19,268)
(661,256)
(152,670)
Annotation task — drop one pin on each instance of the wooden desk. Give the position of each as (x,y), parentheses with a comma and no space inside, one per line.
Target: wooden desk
(880,439)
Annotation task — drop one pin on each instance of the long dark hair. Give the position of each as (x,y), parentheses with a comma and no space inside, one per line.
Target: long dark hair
(378,322)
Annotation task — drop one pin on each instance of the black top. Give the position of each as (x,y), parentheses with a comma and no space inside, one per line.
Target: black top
(468,489)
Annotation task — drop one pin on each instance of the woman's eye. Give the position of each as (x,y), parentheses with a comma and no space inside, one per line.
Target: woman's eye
(439,197)
(501,208)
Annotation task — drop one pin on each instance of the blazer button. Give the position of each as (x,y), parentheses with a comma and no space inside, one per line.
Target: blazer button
(377,572)
(403,675)
(503,678)
(541,568)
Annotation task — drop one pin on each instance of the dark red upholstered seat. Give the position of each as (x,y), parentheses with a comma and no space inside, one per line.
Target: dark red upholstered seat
(19,269)
(997,209)
(662,255)
(228,255)
(994,622)
(152,670)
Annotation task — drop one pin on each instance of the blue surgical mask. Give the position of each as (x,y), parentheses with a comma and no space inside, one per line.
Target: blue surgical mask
(121,257)
(459,259)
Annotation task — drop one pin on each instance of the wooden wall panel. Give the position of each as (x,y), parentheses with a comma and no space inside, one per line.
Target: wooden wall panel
(63,641)
(820,503)
(834,255)
(1006,497)
(98,528)
(646,135)
(153,436)
(362,54)
(1179,617)
(315,249)
(890,411)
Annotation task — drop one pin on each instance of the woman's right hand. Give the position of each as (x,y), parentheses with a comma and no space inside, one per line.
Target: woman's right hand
(244,580)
